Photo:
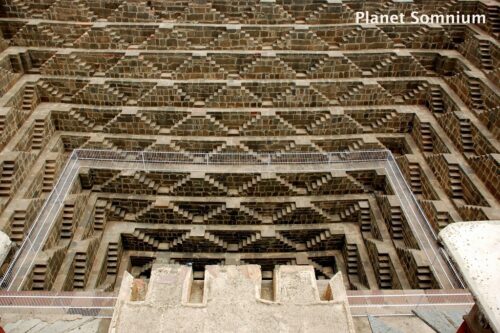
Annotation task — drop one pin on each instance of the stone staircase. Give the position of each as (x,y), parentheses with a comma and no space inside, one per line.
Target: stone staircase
(177,241)
(138,67)
(116,38)
(145,181)
(384,271)
(485,55)
(108,181)
(112,258)
(74,10)
(39,276)
(112,94)
(351,210)
(67,220)
(108,145)
(49,175)
(116,212)
(218,123)
(18,226)
(422,31)
(351,36)
(288,242)
(382,122)
(228,96)
(143,211)
(287,210)
(319,123)
(325,271)
(351,93)
(447,7)
(246,186)
(152,207)
(63,64)
(355,145)
(216,240)
(156,40)
(237,149)
(455,181)
(29,98)
(494,19)
(415,180)
(38,136)
(221,41)
(396,222)
(199,68)
(412,96)
(350,253)
(287,148)
(87,70)
(146,239)
(115,92)
(385,65)
(418,271)
(2,125)
(424,274)
(141,273)
(359,185)
(426,135)
(316,13)
(475,94)
(466,135)
(316,184)
(439,218)
(365,216)
(311,71)
(436,100)
(259,69)
(215,183)
(51,35)
(133,12)
(252,213)
(178,184)
(6,178)
(7,78)
(18,8)
(53,93)
(214,212)
(149,122)
(249,240)
(113,123)
(323,213)
(100,215)
(83,121)
(318,239)
(202,12)
(292,188)
(80,270)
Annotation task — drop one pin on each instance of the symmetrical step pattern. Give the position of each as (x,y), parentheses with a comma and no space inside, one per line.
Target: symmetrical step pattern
(251,81)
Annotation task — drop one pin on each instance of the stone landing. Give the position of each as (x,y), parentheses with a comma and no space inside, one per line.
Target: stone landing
(231,299)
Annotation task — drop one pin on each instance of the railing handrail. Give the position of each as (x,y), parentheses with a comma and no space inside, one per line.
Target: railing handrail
(142,158)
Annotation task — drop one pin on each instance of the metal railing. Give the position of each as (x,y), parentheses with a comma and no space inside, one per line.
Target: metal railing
(21,266)
(22,263)
(404,302)
(74,303)
(230,158)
